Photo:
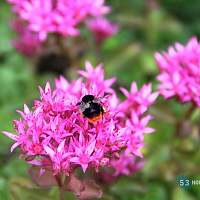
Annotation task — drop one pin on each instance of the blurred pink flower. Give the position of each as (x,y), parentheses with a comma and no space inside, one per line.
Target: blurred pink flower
(55,133)
(126,165)
(27,42)
(52,16)
(102,29)
(180,72)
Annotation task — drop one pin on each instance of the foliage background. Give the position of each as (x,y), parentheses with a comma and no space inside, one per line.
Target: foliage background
(146,26)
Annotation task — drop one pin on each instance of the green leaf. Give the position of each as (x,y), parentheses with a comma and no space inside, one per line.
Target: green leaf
(180,193)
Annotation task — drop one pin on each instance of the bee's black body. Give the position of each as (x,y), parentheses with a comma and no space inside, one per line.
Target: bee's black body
(91,108)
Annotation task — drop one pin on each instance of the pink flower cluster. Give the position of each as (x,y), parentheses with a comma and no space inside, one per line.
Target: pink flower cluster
(27,42)
(102,29)
(57,16)
(180,72)
(55,134)
(126,164)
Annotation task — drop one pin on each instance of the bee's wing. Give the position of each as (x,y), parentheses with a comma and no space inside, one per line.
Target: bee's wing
(99,99)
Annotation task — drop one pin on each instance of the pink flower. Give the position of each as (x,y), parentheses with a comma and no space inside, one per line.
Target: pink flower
(126,165)
(27,42)
(52,16)
(57,134)
(102,29)
(139,100)
(179,72)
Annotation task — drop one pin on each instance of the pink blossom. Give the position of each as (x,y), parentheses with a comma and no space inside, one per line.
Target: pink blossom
(52,16)
(102,29)
(126,165)
(56,134)
(27,42)
(179,72)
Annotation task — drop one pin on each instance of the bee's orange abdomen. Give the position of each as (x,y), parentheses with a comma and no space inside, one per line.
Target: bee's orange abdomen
(95,119)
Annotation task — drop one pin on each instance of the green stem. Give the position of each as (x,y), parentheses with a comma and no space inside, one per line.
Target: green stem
(183,123)
(190,111)
(60,186)
(62,196)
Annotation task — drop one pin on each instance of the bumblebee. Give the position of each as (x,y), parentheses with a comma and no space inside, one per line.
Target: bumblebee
(91,108)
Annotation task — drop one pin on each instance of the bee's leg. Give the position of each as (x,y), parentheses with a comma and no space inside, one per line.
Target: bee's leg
(102,112)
